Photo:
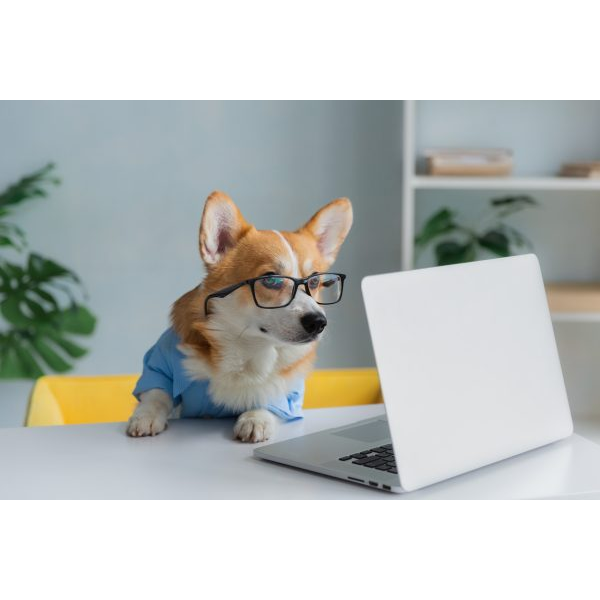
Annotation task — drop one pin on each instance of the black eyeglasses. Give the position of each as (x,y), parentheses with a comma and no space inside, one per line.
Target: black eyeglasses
(278,291)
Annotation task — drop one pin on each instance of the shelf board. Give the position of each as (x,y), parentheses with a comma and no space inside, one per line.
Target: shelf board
(574,301)
(576,317)
(430,182)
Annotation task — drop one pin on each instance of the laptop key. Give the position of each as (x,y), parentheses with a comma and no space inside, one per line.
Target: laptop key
(359,455)
(383,468)
(345,458)
(362,461)
(375,463)
(387,446)
(393,470)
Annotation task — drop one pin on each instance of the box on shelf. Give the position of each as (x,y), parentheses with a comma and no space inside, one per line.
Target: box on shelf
(590,170)
(567,297)
(476,162)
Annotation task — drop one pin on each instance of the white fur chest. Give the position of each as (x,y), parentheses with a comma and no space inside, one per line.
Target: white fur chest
(248,373)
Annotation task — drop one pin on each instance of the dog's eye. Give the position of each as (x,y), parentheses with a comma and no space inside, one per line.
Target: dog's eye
(272,282)
(313,282)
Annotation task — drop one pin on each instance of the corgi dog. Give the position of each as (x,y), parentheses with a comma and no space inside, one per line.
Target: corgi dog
(241,343)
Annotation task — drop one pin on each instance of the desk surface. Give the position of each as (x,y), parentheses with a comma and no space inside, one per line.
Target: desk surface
(198,459)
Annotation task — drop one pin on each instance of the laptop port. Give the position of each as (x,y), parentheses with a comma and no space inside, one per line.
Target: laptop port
(386,487)
(373,483)
(356,479)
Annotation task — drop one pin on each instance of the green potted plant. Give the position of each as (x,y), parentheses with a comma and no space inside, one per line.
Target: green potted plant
(42,303)
(458,243)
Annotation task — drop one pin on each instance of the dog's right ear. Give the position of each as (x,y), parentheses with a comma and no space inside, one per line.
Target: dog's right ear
(221,227)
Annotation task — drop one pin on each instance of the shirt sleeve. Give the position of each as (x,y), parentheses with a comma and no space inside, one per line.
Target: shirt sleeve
(289,408)
(157,372)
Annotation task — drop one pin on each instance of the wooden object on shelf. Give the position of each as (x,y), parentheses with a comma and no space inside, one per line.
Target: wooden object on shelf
(487,162)
(504,183)
(573,297)
(590,170)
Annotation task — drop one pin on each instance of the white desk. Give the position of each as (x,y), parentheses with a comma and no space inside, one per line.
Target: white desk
(198,459)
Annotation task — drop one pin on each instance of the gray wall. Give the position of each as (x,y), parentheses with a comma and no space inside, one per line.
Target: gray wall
(135,178)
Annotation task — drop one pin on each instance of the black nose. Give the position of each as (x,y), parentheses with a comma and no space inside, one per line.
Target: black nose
(313,323)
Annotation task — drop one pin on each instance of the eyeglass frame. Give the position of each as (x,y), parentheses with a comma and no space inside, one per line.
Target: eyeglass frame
(223,293)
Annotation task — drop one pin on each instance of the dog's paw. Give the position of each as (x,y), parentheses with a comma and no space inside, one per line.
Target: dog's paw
(254,426)
(142,424)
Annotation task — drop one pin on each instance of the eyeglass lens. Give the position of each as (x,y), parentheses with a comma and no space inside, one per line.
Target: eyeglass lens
(275,292)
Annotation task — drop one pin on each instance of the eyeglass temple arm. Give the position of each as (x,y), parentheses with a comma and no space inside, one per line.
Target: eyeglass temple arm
(222,293)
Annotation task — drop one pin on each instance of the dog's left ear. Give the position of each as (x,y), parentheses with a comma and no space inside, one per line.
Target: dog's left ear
(330,226)
(221,227)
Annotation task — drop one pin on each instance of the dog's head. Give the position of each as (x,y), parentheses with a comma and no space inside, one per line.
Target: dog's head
(234,251)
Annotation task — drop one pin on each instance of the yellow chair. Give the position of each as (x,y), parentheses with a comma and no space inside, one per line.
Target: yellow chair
(72,400)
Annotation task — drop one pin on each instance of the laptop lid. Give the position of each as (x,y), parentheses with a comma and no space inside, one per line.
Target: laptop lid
(468,365)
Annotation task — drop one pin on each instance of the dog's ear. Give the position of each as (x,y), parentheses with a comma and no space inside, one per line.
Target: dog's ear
(330,226)
(221,227)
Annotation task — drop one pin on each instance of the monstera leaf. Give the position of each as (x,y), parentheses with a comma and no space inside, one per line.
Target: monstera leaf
(40,303)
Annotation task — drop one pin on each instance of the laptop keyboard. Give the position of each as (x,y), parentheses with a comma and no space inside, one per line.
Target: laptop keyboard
(380,458)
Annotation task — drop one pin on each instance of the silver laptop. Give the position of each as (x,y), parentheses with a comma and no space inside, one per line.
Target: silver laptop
(469,372)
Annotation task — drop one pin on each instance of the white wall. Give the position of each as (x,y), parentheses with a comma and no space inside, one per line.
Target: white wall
(135,178)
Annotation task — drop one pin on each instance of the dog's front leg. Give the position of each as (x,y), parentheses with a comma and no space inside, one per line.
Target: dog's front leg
(255,425)
(150,416)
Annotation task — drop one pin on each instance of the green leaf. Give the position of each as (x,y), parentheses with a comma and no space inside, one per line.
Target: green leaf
(37,310)
(50,357)
(508,205)
(12,311)
(31,366)
(11,236)
(46,296)
(15,234)
(14,271)
(11,366)
(438,224)
(513,200)
(72,349)
(43,269)
(30,186)
(450,253)
(6,241)
(516,236)
(77,319)
(495,241)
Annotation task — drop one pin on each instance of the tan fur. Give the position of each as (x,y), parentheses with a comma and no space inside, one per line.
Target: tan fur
(252,253)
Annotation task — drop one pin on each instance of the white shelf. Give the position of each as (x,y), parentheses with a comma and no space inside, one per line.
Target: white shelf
(559,317)
(429,182)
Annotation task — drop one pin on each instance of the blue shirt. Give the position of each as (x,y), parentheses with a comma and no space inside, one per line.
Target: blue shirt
(163,369)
